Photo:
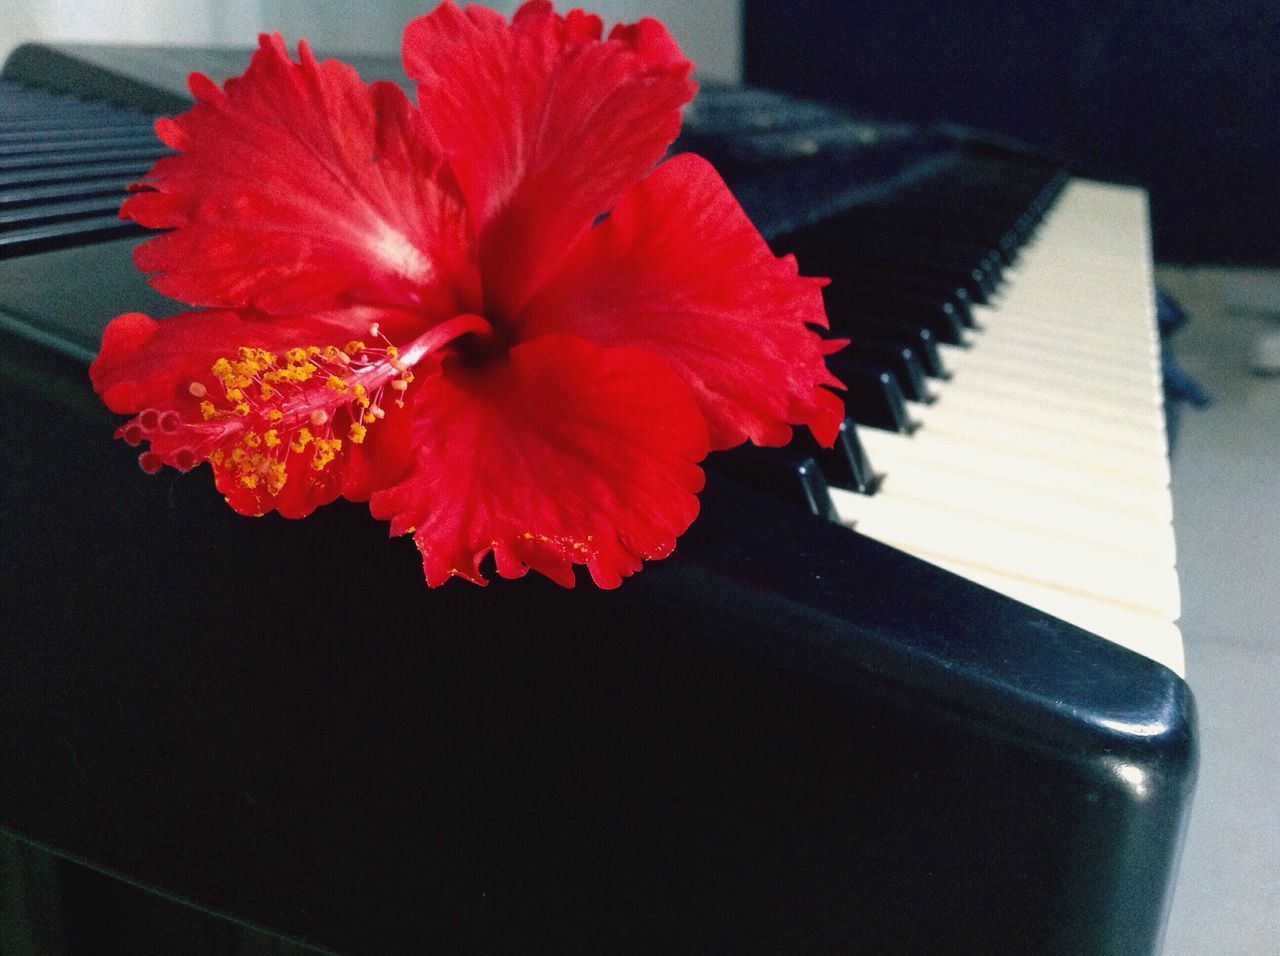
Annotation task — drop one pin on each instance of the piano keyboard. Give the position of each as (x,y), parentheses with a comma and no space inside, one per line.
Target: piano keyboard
(772,660)
(1039,467)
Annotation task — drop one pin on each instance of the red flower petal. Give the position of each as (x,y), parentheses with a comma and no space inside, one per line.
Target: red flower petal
(678,270)
(303,188)
(543,124)
(561,454)
(290,410)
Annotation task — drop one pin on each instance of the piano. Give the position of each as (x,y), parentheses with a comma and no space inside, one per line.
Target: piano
(920,692)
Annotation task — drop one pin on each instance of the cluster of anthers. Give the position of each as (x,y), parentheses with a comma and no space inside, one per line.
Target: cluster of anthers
(260,409)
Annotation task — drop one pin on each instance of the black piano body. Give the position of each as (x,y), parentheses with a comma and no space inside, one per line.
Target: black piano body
(787,737)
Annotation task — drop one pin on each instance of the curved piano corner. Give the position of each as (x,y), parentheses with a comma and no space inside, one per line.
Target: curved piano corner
(1149,758)
(1147,772)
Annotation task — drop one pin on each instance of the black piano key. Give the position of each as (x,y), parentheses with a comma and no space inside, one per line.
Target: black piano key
(45,145)
(144,155)
(872,396)
(952,312)
(48,212)
(978,284)
(932,225)
(59,235)
(23,178)
(921,340)
(76,189)
(892,279)
(845,463)
(969,268)
(898,357)
(855,236)
(63,129)
(788,474)
(847,315)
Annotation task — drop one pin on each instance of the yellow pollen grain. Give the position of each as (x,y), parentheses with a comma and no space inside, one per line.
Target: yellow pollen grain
(326,450)
(369,418)
(354,347)
(266,391)
(249,481)
(252,440)
(335,383)
(277,477)
(295,356)
(207,410)
(271,438)
(242,408)
(301,440)
(275,415)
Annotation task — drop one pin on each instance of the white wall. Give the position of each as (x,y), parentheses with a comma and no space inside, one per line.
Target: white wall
(709,31)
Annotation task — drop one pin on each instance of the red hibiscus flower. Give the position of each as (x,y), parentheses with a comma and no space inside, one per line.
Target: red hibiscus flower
(425,309)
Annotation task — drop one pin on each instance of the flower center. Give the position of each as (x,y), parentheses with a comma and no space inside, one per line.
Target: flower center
(263,412)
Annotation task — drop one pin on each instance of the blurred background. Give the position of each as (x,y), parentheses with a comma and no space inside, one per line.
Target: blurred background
(709,30)
(1182,98)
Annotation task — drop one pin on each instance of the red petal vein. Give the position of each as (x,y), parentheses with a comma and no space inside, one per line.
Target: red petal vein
(300,187)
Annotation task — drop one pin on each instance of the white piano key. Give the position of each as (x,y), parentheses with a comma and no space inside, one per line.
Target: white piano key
(1043,440)
(1051,371)
(1068,408)
(890,452)
(1041,468)
(1043,558)
(1142,535)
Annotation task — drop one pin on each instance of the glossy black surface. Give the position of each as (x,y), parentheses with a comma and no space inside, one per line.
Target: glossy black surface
(785,736)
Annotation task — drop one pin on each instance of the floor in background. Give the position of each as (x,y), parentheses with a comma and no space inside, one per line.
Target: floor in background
(1226,493)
